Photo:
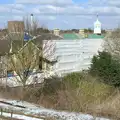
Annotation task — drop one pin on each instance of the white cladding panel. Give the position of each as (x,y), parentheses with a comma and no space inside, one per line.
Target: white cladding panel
(75,55)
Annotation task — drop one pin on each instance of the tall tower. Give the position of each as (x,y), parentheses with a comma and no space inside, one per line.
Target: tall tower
(31,21)
(97,26)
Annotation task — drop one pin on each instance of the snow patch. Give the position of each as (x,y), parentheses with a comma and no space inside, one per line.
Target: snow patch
(20,117)
(32,109)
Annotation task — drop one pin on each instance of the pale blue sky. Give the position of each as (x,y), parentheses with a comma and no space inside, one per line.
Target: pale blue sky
(63,14)
(13,1)
(6,1)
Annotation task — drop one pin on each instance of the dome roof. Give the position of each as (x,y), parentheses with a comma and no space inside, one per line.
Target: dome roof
(97,21)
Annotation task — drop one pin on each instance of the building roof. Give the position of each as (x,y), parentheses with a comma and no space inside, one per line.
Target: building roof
(95,36)
(45,36)
(17,41)
(49,36)
(72,36)
(97,22)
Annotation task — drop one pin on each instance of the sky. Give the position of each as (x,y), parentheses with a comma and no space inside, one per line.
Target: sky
(62,14)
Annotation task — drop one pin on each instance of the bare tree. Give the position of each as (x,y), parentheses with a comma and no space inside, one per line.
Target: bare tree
(112,43)
(25,56)
(24,61)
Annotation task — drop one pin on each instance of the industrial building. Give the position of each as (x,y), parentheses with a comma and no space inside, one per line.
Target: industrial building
(75,51)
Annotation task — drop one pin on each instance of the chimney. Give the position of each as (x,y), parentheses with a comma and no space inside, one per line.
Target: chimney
(15,26)
(31,21)
(56,32)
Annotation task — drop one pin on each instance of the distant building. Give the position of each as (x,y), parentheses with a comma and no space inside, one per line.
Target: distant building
(97,27)
(74,55)
(109,31)
(75,51)
(56,32)
(15,26)
(71,36)
(82,33)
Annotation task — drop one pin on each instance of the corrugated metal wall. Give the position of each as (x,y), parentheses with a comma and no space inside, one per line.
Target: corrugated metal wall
(75,55)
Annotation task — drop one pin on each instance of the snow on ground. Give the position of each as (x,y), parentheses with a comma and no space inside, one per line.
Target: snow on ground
(63,115)
(32,109)
(23,117)
(13,81)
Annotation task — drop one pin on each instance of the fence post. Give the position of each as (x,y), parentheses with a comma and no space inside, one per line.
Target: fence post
(1,111)
(11,114)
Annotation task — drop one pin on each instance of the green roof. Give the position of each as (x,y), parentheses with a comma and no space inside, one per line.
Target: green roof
(94,36)
(73,36)
(70,36)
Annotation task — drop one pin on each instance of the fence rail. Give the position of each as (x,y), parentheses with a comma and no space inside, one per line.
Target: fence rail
(12,113)
(4,110)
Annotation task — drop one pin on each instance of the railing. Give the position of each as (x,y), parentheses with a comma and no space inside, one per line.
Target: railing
(13,112)
(3,110)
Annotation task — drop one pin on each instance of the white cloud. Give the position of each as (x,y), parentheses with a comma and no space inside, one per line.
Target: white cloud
(49,9)
(73,9)
(14,8)
(105,10)
(56,10)
(17,18)
(61,10)
(97,2)
(46,18)
(3,9)
(66,22)
(114,3)
(76,10)
(57,2)
(84,16)
(109,3)
(52,17)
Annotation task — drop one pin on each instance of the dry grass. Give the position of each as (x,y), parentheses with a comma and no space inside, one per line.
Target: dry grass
(90,97)
(50,119)
(109,108)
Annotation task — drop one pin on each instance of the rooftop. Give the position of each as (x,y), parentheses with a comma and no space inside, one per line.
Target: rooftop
(95,36)
(17,40)
(72,36)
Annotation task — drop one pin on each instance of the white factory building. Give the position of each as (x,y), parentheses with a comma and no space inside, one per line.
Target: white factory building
(76,55)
